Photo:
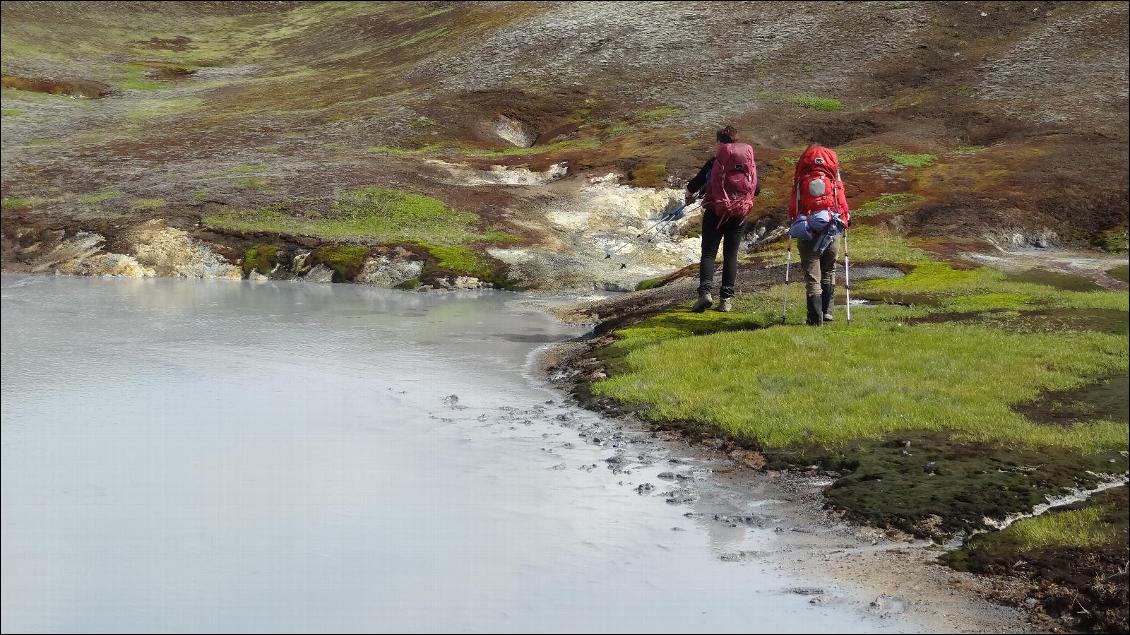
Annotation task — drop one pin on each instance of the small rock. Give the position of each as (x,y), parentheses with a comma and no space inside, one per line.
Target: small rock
(805,590)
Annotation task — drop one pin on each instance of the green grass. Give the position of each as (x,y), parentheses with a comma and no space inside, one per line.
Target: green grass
(1077,528)
(200,194)
(397,151)
(983,289)
(93,199)
(462,259)
(255,184)
(560,146)
(913,160)
(1121,272)
(135,79)
(16,202)
(147,203)
(885,204)
(1114,241)
(11,112)
(500,237)
(377,213)
(661,113)
(886,373)
(817,103)
(794,384)
(247,168)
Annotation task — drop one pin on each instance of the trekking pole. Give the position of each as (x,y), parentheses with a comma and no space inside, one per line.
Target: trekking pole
(847,278)
(668,217)
(785,293)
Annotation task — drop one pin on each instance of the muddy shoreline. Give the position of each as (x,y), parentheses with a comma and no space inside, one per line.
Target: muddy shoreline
(899,571)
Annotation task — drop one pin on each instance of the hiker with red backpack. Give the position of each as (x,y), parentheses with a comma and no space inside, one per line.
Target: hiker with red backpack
(818,212)
(730,180)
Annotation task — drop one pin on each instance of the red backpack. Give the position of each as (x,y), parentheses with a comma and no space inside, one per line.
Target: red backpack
(733,180)
(815,181)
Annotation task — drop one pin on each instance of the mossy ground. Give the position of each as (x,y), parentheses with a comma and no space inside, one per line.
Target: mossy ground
(383,215)
(260,258)
(377,213)
(345,260)
(850,396)
(1074,559)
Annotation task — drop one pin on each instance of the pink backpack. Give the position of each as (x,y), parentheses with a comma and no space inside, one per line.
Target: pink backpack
(733,180)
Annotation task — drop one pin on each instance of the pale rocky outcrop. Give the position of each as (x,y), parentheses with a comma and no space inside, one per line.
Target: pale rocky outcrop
(388,272)
(172,252)
(319,273)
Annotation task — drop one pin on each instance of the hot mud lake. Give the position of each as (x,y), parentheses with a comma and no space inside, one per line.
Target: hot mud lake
(227,456)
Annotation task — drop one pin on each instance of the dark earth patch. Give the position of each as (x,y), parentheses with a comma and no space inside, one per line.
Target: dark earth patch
(1059,280)
(1106,398)
(932,486)
(1085,586)
(68,87)
(1041,321)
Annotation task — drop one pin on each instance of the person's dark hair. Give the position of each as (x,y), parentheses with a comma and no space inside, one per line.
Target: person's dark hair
(729,134)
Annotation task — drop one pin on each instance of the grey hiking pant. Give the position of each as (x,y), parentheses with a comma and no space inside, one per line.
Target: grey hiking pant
(818,270)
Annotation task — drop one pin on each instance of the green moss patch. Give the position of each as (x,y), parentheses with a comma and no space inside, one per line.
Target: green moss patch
(459,259)
(261,258)
(559,146)
(99,197)
(929,485)
(1121,272)
(981,290)
(247,168)
(385,214)
(913,160)
(397,151)
(828,104)
(885,204)
(661,113)
(147,203)
(19,202)
(1114,241)
(346,261)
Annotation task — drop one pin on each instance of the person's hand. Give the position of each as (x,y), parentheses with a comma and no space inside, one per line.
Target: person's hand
(689,198)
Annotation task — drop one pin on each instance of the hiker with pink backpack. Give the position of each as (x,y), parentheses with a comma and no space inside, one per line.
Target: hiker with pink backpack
(818,212)
(730,180)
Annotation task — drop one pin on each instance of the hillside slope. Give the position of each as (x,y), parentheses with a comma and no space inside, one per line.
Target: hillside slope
(230,138)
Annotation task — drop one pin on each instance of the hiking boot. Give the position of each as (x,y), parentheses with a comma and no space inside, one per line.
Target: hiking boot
(815,315)
(827,295)
(727,305)
(704,302)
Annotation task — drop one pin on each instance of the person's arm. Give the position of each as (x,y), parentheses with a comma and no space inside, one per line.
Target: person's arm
(841,201)
(699,181)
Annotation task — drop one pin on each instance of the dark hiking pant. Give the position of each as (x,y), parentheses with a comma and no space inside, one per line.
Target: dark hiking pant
(818,270)
(730,235)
